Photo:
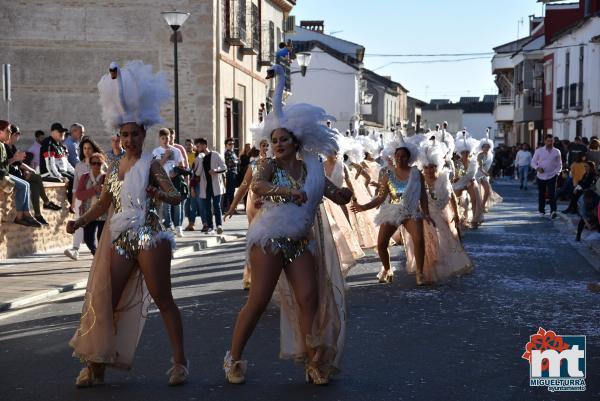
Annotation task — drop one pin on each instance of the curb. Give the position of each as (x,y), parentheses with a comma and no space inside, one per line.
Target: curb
(42,296)
(588,249)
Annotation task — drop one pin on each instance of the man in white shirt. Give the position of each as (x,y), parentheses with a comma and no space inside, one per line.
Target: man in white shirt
(547,163)
(34,149)
(522,162)
(210,170)
(169,157)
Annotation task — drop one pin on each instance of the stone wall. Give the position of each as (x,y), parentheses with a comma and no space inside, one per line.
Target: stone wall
(59,49)
(17,240)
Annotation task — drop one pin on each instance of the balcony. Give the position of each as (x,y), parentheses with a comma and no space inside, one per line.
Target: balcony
(502,62)
(236,22)
(252,46)
(504,109)
(528,105)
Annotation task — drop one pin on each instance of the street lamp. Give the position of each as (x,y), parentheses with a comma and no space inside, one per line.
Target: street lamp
(175,19)
(303,59)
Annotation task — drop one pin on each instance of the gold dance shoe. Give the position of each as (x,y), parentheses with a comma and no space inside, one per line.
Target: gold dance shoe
(178,374)
(386,276)
(91,375)
(314,376)
(235,371)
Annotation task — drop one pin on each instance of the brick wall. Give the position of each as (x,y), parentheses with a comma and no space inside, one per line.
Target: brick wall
(17,240)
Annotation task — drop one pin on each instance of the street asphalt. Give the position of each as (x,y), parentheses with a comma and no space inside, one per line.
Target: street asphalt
(459,341)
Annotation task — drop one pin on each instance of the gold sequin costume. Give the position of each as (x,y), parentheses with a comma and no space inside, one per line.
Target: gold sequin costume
(146,235)
(269,171)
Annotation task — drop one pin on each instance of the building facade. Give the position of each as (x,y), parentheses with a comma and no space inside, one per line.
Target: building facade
(574,78)
(59,50)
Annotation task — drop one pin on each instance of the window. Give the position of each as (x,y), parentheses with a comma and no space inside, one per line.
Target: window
(572,95)
(567,67)
(255,27)
(548,78)
(559,98)
(579,128)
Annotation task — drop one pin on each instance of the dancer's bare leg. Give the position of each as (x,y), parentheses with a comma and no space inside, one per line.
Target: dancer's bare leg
(301,274)
(486,192)
(383,242)
(472,190)
(414,227)
(155,265)
(120,271)
(265,272)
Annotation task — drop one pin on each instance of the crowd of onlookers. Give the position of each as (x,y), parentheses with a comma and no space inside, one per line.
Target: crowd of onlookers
(206,179)
(576,181)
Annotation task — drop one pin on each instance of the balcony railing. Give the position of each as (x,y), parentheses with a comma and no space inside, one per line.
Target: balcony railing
(237,34)
(505,100)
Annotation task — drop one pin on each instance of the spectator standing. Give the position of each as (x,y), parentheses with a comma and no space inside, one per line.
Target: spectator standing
(87,148)
(21,187)
(190,151)
(593,153)
(522,161)
(547,163)
(191,203)
(88,192)
(169,157)
(231,177)
(72,143)
(576,148)
(54,166)
(587,181)
(21,170)
(34,149)
(210,169)
(577,169)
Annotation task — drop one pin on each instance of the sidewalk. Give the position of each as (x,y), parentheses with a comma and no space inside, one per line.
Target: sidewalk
(34,279)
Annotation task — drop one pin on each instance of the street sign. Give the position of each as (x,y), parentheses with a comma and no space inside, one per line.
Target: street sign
(6,82)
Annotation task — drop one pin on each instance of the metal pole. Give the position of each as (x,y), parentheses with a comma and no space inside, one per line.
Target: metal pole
(176,87)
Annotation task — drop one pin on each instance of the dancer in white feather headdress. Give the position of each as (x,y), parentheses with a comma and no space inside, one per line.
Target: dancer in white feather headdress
(465,168)
(363,223)
(444,253)
(346,238)
(485,159)
(288,235)
(134,243)
(401,188)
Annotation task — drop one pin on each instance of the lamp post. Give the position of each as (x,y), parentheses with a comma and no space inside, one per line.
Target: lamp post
(303,59)
(175,19)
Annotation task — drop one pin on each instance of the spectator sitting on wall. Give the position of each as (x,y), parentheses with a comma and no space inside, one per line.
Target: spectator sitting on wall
(588,212)
(23,171)
(54,166)
(12,183)
(34,149)
(72,143)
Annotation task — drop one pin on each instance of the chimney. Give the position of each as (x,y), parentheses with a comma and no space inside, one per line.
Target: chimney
(315,26)
(587,10)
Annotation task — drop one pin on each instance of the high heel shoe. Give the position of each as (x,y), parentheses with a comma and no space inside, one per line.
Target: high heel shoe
(314,376)
(386,276)
(178,373)
(91,375)
(235,371)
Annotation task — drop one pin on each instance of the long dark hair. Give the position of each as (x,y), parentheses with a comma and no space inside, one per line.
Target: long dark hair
(93,144)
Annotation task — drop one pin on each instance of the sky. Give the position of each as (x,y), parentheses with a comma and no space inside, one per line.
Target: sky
(426,27)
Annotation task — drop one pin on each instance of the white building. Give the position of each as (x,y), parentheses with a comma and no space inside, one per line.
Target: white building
(475,116)
(59,49)
(333,78)
(575,78)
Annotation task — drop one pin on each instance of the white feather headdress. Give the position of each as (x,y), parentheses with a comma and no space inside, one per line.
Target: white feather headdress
(400,141)
(486,141)
(432,152)
(134,96)
(464,142)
